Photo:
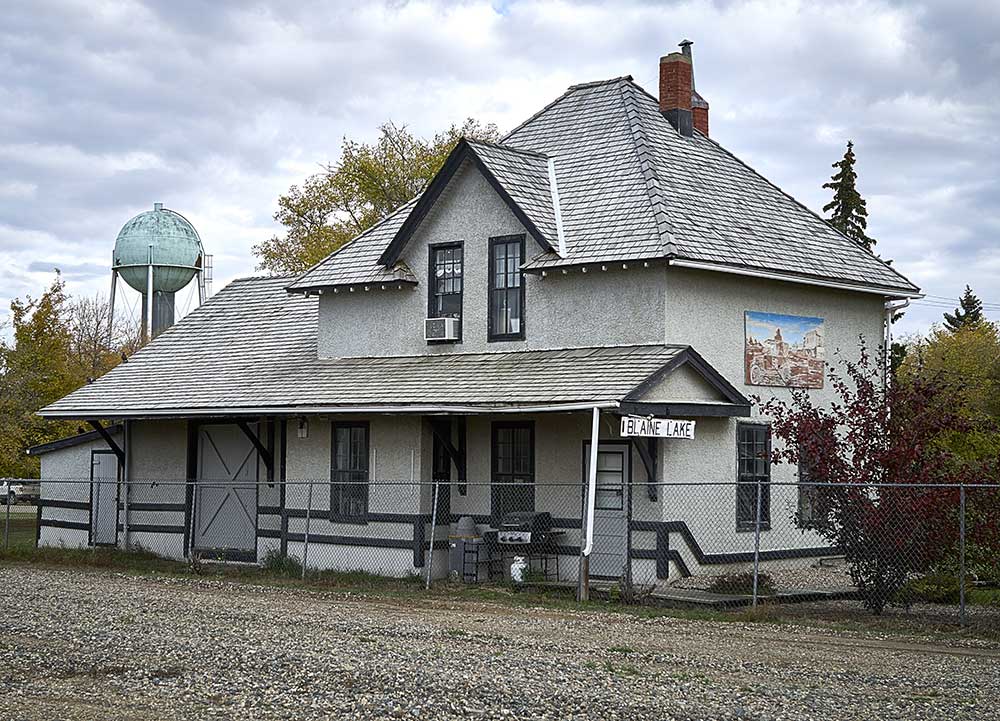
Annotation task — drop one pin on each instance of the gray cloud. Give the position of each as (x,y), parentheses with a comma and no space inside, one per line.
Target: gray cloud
(215,108)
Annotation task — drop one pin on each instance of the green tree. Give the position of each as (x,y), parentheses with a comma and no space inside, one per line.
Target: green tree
(364,186)
(36,368)
(848,210)
(969,313)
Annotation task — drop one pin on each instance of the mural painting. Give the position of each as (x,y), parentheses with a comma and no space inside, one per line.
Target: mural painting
(784,350)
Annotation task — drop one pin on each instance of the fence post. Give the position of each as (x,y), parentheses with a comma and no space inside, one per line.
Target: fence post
(6,522)
(430,552)
(756,545)
(961,553)
(305,548)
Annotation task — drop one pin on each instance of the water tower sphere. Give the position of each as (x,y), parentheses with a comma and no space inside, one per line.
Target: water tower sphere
(175,243)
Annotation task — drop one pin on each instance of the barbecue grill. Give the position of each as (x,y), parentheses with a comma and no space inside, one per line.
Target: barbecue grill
(525,528)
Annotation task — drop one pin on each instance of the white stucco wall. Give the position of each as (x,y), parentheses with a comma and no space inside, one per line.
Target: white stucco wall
(597,308)
(65,475)
(706,310)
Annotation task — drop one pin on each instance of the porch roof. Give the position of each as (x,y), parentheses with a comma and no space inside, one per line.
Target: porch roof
(251,351)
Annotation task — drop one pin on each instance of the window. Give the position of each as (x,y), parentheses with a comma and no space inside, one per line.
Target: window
(445,286)
(349,473)
(513,451)
(808,501)
(753,470)
(506,320)
(611,471)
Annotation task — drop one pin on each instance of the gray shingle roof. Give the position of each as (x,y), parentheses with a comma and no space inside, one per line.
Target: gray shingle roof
(357,263)
(525,176)
(631,188)
(252,348)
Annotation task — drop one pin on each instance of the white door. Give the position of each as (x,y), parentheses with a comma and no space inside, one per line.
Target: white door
(103,498)
(607,559)
(225,496)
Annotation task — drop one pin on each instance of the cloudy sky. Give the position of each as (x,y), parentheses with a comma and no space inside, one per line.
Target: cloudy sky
(215,108)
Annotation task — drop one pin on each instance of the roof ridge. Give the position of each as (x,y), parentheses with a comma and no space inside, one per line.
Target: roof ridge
(595,83)
(502,146)
(648,168)
(571,89)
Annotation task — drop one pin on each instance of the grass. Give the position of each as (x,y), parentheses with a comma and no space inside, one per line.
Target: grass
(22,529)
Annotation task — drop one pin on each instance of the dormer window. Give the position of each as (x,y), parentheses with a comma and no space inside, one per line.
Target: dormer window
(445,286)
(506,319)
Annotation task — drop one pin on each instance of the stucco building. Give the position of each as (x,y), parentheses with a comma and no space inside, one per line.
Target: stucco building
(601,260)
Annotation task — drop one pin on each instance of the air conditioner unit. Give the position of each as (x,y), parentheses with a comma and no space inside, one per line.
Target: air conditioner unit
(441,328)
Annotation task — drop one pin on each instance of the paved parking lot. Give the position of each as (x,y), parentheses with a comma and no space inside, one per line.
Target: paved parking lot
(98,645)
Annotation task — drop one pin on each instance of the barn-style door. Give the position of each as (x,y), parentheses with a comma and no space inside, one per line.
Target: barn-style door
(225,498)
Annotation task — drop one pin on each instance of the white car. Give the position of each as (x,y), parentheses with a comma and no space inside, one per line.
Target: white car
(12,491)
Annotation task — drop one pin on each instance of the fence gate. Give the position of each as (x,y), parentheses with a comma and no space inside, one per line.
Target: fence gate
(607,558)
(225,496)
(103,498)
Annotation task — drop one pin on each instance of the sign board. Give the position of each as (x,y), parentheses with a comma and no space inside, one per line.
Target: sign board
(656,427)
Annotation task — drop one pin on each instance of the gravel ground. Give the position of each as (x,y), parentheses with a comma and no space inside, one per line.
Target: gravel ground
(89,645)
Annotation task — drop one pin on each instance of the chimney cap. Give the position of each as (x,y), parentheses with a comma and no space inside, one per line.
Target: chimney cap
(157,206)
(675,57)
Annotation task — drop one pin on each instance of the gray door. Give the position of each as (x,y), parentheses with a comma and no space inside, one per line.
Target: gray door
(103,498)
(607,559)
(225,499)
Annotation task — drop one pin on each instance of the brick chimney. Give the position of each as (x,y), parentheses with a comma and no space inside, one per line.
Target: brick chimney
(680,103)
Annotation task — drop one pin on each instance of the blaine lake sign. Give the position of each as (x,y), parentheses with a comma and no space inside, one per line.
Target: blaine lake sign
(656,427)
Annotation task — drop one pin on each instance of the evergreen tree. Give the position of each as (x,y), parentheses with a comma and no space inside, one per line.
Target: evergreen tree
(969,313)
(848,211)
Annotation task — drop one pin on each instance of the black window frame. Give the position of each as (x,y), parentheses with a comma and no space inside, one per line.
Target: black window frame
(805,506)
(492,336)
(500,496)
(432,295)
(747,483)
(336,486)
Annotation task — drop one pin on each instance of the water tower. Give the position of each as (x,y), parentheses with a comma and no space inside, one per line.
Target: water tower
(158,253)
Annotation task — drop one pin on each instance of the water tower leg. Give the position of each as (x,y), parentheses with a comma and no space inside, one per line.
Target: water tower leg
(111,307)
(147,326)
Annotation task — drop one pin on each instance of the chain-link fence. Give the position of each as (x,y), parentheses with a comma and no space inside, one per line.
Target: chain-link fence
(925,551)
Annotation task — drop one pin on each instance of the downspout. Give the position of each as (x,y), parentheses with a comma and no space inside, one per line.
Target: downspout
(583,582)
(890,310)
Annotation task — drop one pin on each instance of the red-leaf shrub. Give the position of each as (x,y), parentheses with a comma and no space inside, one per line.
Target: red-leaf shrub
(885,483)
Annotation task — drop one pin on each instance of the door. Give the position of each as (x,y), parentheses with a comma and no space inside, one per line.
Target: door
(225,498)
(608,556)
(103,498)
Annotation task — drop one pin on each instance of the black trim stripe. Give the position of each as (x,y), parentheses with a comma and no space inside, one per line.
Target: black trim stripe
(57,503)
(160,507)
(152,528)
(59,523)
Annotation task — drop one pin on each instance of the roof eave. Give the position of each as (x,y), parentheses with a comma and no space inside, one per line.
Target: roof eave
(874,288)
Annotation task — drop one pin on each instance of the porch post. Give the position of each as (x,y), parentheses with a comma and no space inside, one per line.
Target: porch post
(587,524)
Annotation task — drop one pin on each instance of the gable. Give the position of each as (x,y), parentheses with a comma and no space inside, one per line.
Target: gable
(467,211)
(683,385)
(520,178)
